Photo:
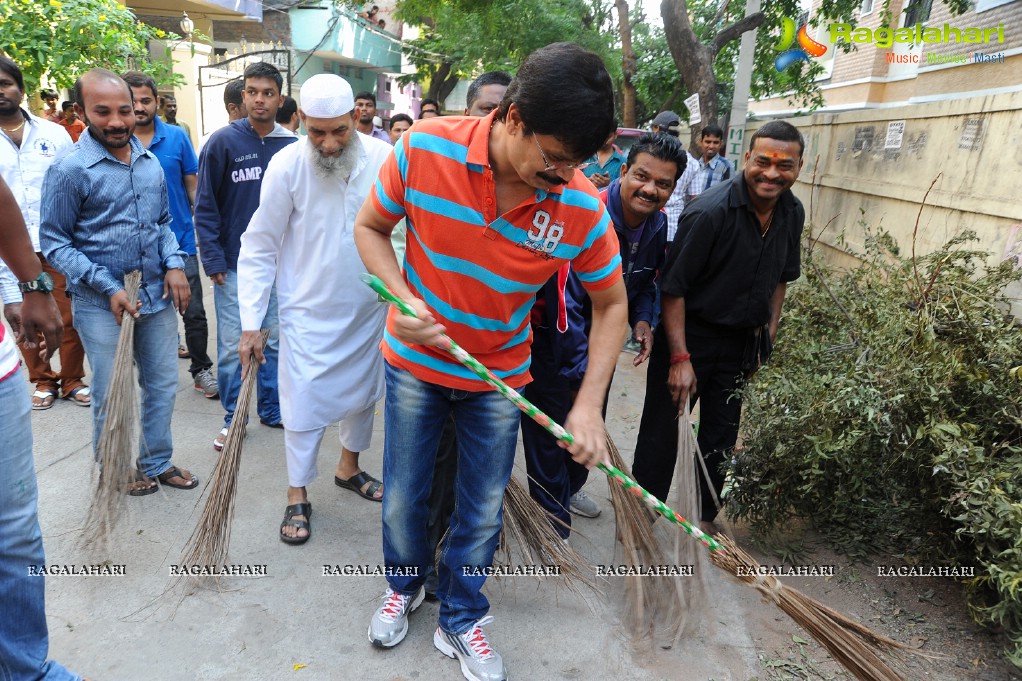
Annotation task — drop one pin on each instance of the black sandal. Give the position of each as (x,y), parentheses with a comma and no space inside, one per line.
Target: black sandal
(356,482)
(305,509)
(139,476)
(172,472)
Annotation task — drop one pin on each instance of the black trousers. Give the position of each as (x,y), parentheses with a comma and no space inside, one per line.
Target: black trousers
(717,359)
(196,329)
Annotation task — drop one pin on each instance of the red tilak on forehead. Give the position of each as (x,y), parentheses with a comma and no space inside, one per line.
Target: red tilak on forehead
(775,155)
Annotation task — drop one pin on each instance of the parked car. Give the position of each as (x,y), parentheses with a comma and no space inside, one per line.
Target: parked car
(626,138)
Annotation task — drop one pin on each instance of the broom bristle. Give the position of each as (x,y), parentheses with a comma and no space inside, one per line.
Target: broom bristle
(654,607)
(852,644)
(211,539)
(530,526)
(119,440)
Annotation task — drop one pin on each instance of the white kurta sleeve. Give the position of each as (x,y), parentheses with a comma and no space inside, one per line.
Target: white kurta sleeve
(260,244)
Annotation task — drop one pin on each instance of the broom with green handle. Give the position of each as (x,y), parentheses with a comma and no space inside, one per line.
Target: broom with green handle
(542,419)
(854,645)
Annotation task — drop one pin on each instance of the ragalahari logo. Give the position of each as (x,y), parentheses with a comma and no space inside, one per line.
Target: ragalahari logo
(807,46)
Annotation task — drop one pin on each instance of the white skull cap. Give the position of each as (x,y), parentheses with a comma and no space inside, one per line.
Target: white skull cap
(326,95)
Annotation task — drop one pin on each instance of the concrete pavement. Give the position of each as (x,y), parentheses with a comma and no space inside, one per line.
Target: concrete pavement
(296,623)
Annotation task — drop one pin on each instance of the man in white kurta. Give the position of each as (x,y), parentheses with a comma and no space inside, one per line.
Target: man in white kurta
(331,324)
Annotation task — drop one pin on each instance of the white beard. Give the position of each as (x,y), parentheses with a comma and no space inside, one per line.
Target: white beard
(340,166)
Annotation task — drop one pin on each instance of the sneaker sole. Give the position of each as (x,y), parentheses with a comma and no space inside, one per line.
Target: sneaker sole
(206,394)
(416,602)
(576,511)
(441,644)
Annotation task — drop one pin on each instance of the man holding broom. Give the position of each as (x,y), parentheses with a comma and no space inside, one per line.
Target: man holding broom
(494,208)
(736,249)
(330,323)
(105,214)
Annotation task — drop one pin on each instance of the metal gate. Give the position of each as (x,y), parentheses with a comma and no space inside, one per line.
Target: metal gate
(214,77)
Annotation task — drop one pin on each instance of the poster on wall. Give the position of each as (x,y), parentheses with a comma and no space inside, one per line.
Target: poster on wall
(895,133)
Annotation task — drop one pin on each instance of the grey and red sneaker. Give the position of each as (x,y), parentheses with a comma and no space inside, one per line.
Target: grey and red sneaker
(389,624)
(479,662)
(205,383)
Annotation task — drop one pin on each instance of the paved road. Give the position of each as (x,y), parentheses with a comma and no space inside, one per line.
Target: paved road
(131,627)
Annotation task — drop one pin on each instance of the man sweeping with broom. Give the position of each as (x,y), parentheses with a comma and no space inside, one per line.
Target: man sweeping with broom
(330,324)
(105,213)
(494,207)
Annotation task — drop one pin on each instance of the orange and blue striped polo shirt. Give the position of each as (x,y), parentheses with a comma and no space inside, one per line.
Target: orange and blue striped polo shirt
(476,271)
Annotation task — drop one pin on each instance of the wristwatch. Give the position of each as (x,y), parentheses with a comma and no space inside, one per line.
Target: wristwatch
(43,283)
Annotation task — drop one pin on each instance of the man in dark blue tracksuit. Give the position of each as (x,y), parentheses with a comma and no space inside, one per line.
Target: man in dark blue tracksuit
(559,351)
(231,168)
(634,202)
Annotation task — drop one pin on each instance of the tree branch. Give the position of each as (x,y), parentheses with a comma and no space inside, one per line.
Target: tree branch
(735,30)
(720,12)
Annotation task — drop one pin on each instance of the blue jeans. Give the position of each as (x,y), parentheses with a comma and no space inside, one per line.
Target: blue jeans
(487,431)
(24,639)
(156,364)
(228,335)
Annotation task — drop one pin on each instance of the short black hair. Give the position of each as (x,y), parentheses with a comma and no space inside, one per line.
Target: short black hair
(662,146)
(366,95)
(262,69)
(288,109)
(77,93)
(139,79)
(233,92)
(488,78)
(424,102)
(781,131)
(713,130)
(400,117)
(47,94)
(9,67)
(565,91)
(67,105)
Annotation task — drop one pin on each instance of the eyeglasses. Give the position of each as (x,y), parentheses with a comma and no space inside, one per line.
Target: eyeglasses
(559,166)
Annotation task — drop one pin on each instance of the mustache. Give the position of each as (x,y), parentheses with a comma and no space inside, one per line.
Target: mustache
(647,197)
(554,180)
(115,131)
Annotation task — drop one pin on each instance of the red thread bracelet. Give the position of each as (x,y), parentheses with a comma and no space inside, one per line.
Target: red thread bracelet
(680,357)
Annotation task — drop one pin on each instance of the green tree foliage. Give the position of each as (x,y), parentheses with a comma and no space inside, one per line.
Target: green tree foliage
(460,38)
(703,39)
(65,38)
(890,418)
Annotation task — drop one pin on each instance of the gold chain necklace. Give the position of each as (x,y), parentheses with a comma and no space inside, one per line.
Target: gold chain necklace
(16,129)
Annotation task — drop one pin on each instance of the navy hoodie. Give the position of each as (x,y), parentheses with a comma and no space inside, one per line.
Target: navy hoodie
(641,270)
(231,168)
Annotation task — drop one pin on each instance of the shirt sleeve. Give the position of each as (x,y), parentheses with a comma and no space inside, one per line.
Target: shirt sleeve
(207,219)
(58,217)
(260,244)
(189,161)
(793,263)
(171,255)
(388,194)
(10,292)
(645,302)
(689,254)
(598,266)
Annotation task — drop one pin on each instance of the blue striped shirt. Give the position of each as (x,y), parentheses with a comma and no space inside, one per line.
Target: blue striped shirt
(102,218)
